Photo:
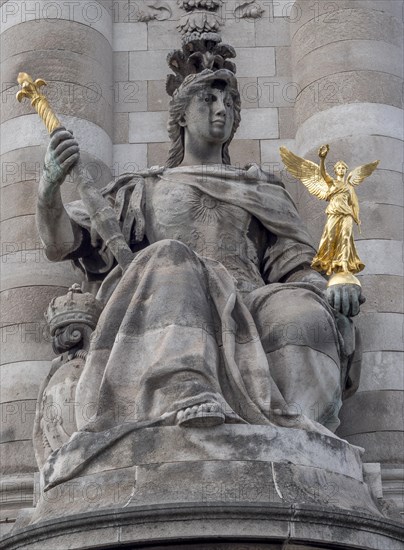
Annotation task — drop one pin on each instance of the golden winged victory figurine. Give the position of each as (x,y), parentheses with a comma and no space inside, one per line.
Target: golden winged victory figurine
(337,255)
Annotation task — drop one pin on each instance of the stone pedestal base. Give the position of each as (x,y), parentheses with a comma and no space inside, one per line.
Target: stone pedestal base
(252,487)
(235,526)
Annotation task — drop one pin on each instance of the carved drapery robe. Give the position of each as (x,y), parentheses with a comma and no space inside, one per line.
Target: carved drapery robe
(217,306)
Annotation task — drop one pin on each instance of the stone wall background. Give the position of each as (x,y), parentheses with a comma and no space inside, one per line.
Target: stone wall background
(309,72)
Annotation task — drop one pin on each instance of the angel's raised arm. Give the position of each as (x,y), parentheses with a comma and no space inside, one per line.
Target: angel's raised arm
(307,172)
(322,153)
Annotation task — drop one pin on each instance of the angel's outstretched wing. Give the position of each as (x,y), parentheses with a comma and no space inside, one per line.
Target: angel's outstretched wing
(307,172)
(359,174)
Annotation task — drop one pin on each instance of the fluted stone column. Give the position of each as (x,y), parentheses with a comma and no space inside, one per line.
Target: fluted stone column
(348,63)
(69,44)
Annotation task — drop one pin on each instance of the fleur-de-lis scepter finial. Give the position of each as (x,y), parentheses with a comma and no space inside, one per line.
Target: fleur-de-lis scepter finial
(31,90)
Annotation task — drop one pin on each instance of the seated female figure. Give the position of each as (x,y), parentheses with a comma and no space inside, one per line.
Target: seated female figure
(219,317)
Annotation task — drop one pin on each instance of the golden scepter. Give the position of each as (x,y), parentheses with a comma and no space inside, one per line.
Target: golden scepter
(100,212)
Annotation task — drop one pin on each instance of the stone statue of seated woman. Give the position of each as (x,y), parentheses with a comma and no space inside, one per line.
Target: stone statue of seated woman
(219,317)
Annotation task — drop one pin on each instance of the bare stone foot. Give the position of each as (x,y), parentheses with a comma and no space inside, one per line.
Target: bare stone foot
(205,415)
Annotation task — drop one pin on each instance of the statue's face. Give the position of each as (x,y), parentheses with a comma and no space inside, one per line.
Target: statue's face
(210,115)
(340,170)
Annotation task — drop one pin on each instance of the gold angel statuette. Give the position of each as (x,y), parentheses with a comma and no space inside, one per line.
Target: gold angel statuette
(337,255)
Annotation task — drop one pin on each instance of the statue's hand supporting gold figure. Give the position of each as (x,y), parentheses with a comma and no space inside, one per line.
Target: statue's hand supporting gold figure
(337,254)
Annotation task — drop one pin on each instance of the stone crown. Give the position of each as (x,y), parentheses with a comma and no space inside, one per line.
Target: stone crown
(73,307)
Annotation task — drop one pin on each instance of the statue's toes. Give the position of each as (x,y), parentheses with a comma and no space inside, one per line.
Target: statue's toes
(205,415)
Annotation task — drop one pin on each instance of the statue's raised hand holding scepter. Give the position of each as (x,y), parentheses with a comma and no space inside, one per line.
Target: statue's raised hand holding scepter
(61,158)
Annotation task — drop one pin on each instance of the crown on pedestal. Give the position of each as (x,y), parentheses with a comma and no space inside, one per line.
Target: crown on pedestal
(73,307)
(201,43)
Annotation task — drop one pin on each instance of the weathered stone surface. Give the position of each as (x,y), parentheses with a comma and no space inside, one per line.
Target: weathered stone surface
(383,293)
(237,522)
(162,36)
(29,374)
(373,478)
(237,497)
(19,234)
(373,411)
(349,55)
(16,493)
(249,92)
(263,444)
(121,66)
(272,31)
(17,457)
(284,8)
(382,257)
(130,36)
(343,25)
(17,420)
(121,128)
(347,87)
(346,120)
(287,126)
(150,11)
(303,12)
(129,158)
(383,187)
(130,96)
(384,447)
(27,305)
(149,65)
(241,33)
(26,341)
(259,124)
(19,199)
(92,15)
(381,331)
(392,479)
(193,471)
(277,91)
(157,97)
(26,268)
(382,370)
(147,127)
(23,164)
(256,62)
(157,153)
(283,61)
(244,151)
(58,35)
